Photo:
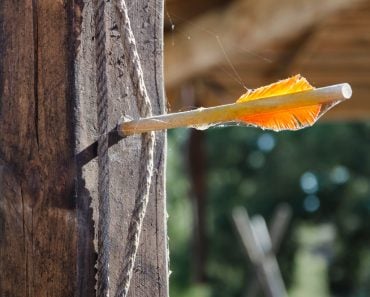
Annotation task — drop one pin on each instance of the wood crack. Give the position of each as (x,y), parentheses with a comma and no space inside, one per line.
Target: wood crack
(157,224)
(35,68)
(26,285)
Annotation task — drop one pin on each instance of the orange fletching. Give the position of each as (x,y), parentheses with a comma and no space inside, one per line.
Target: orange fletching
(291,119)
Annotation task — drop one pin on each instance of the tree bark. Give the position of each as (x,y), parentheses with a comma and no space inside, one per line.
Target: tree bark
(48,169)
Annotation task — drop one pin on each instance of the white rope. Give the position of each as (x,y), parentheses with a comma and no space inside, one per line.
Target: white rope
(147,150)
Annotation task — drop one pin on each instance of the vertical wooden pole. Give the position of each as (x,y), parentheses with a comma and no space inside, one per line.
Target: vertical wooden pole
(197,170)
(278,227)
(38,231)
(257,242)
(150,271)
(47,121)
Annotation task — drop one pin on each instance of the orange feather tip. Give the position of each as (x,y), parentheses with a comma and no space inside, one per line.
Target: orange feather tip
(283,119)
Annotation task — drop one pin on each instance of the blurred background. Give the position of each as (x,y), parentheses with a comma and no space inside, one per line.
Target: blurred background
(311,187)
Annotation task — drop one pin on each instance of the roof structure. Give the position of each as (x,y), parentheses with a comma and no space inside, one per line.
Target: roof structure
(214,49)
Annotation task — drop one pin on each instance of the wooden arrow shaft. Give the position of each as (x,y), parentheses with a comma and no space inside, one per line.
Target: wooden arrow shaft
(203,117)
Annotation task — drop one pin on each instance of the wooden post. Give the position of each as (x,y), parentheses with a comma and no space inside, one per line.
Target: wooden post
(278,227)
(48,173)
(257,242)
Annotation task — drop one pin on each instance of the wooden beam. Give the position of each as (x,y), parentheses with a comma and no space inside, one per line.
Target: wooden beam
(48,119)
(243,26)
(38,231)
(179,11)
(343,56)
(150,272)
(278,227)
(257,242)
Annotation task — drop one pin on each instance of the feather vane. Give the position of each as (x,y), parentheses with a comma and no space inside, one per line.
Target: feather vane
(282,119)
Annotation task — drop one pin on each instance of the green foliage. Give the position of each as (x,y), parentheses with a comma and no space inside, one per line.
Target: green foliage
(322,172)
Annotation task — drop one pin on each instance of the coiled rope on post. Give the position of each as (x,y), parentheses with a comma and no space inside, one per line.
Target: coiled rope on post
(103,158)
(147,150)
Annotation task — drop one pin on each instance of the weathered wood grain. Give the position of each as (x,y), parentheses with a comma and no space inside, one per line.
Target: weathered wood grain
(37,204)
(47,118)
(150,272)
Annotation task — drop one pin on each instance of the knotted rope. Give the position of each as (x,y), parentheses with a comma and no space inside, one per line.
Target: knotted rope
(147,150)
(103,158)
